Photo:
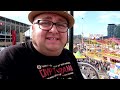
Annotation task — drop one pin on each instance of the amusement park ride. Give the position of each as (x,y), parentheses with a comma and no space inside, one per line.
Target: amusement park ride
(88,71)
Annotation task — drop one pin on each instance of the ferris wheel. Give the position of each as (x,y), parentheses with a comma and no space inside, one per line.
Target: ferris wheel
(88,71)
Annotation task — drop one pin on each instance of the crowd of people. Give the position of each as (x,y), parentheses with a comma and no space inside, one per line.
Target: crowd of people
(99,65)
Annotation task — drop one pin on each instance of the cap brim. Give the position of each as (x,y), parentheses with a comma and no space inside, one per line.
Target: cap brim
(64,14)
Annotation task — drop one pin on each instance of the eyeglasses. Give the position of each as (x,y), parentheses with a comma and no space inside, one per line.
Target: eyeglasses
(47,25)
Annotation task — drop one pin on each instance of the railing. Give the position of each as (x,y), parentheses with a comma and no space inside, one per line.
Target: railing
(88,71)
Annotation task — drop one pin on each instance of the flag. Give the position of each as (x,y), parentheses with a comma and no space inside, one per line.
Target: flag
(13,32)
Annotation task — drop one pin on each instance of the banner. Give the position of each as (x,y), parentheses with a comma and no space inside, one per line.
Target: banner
(13,32)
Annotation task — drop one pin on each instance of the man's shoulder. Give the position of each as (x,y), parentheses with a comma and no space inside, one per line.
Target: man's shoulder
(17,48)
(22,45)
(67,51)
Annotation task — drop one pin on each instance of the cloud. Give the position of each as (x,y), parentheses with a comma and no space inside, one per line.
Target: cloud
(78,14)
(109,16)
(77,29)
(20,16)
(13,13)
(81,28)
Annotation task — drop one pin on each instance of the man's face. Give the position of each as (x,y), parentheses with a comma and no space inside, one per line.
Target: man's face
(52,39)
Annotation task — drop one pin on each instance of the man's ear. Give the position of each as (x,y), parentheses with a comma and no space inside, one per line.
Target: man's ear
(33,27)
(67,40)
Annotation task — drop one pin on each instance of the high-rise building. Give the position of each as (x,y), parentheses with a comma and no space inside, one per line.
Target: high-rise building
(111,30)
(11,31)
(117,31)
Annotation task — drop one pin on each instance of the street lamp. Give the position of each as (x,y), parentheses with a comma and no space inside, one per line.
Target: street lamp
(82,41)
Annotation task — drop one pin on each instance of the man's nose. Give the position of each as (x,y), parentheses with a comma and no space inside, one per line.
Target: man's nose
(54,29)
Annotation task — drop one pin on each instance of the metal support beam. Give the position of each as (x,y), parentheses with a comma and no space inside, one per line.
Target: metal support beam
(71,36)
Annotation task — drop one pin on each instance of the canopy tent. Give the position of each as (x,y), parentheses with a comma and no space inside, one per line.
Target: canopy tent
(78,55)
(67,46)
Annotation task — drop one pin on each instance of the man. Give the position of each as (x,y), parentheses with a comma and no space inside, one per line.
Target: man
(44,57)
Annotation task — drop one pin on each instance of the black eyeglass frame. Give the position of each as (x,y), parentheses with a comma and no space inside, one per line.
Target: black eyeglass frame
(38,22)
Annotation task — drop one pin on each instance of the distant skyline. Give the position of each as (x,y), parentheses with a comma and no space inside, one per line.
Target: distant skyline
(88,22)
(95,22)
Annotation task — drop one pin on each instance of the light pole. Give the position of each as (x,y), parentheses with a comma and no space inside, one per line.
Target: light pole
(82,25)
(82,41)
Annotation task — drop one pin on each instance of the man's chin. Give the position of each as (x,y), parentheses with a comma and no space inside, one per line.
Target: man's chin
(53,48)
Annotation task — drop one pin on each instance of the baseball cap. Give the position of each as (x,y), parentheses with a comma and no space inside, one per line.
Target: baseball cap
(64,14)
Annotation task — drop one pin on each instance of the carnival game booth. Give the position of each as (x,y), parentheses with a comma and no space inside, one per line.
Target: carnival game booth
(114,72)
(112,57)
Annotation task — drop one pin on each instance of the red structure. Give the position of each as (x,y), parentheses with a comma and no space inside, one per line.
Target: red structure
(13,37)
